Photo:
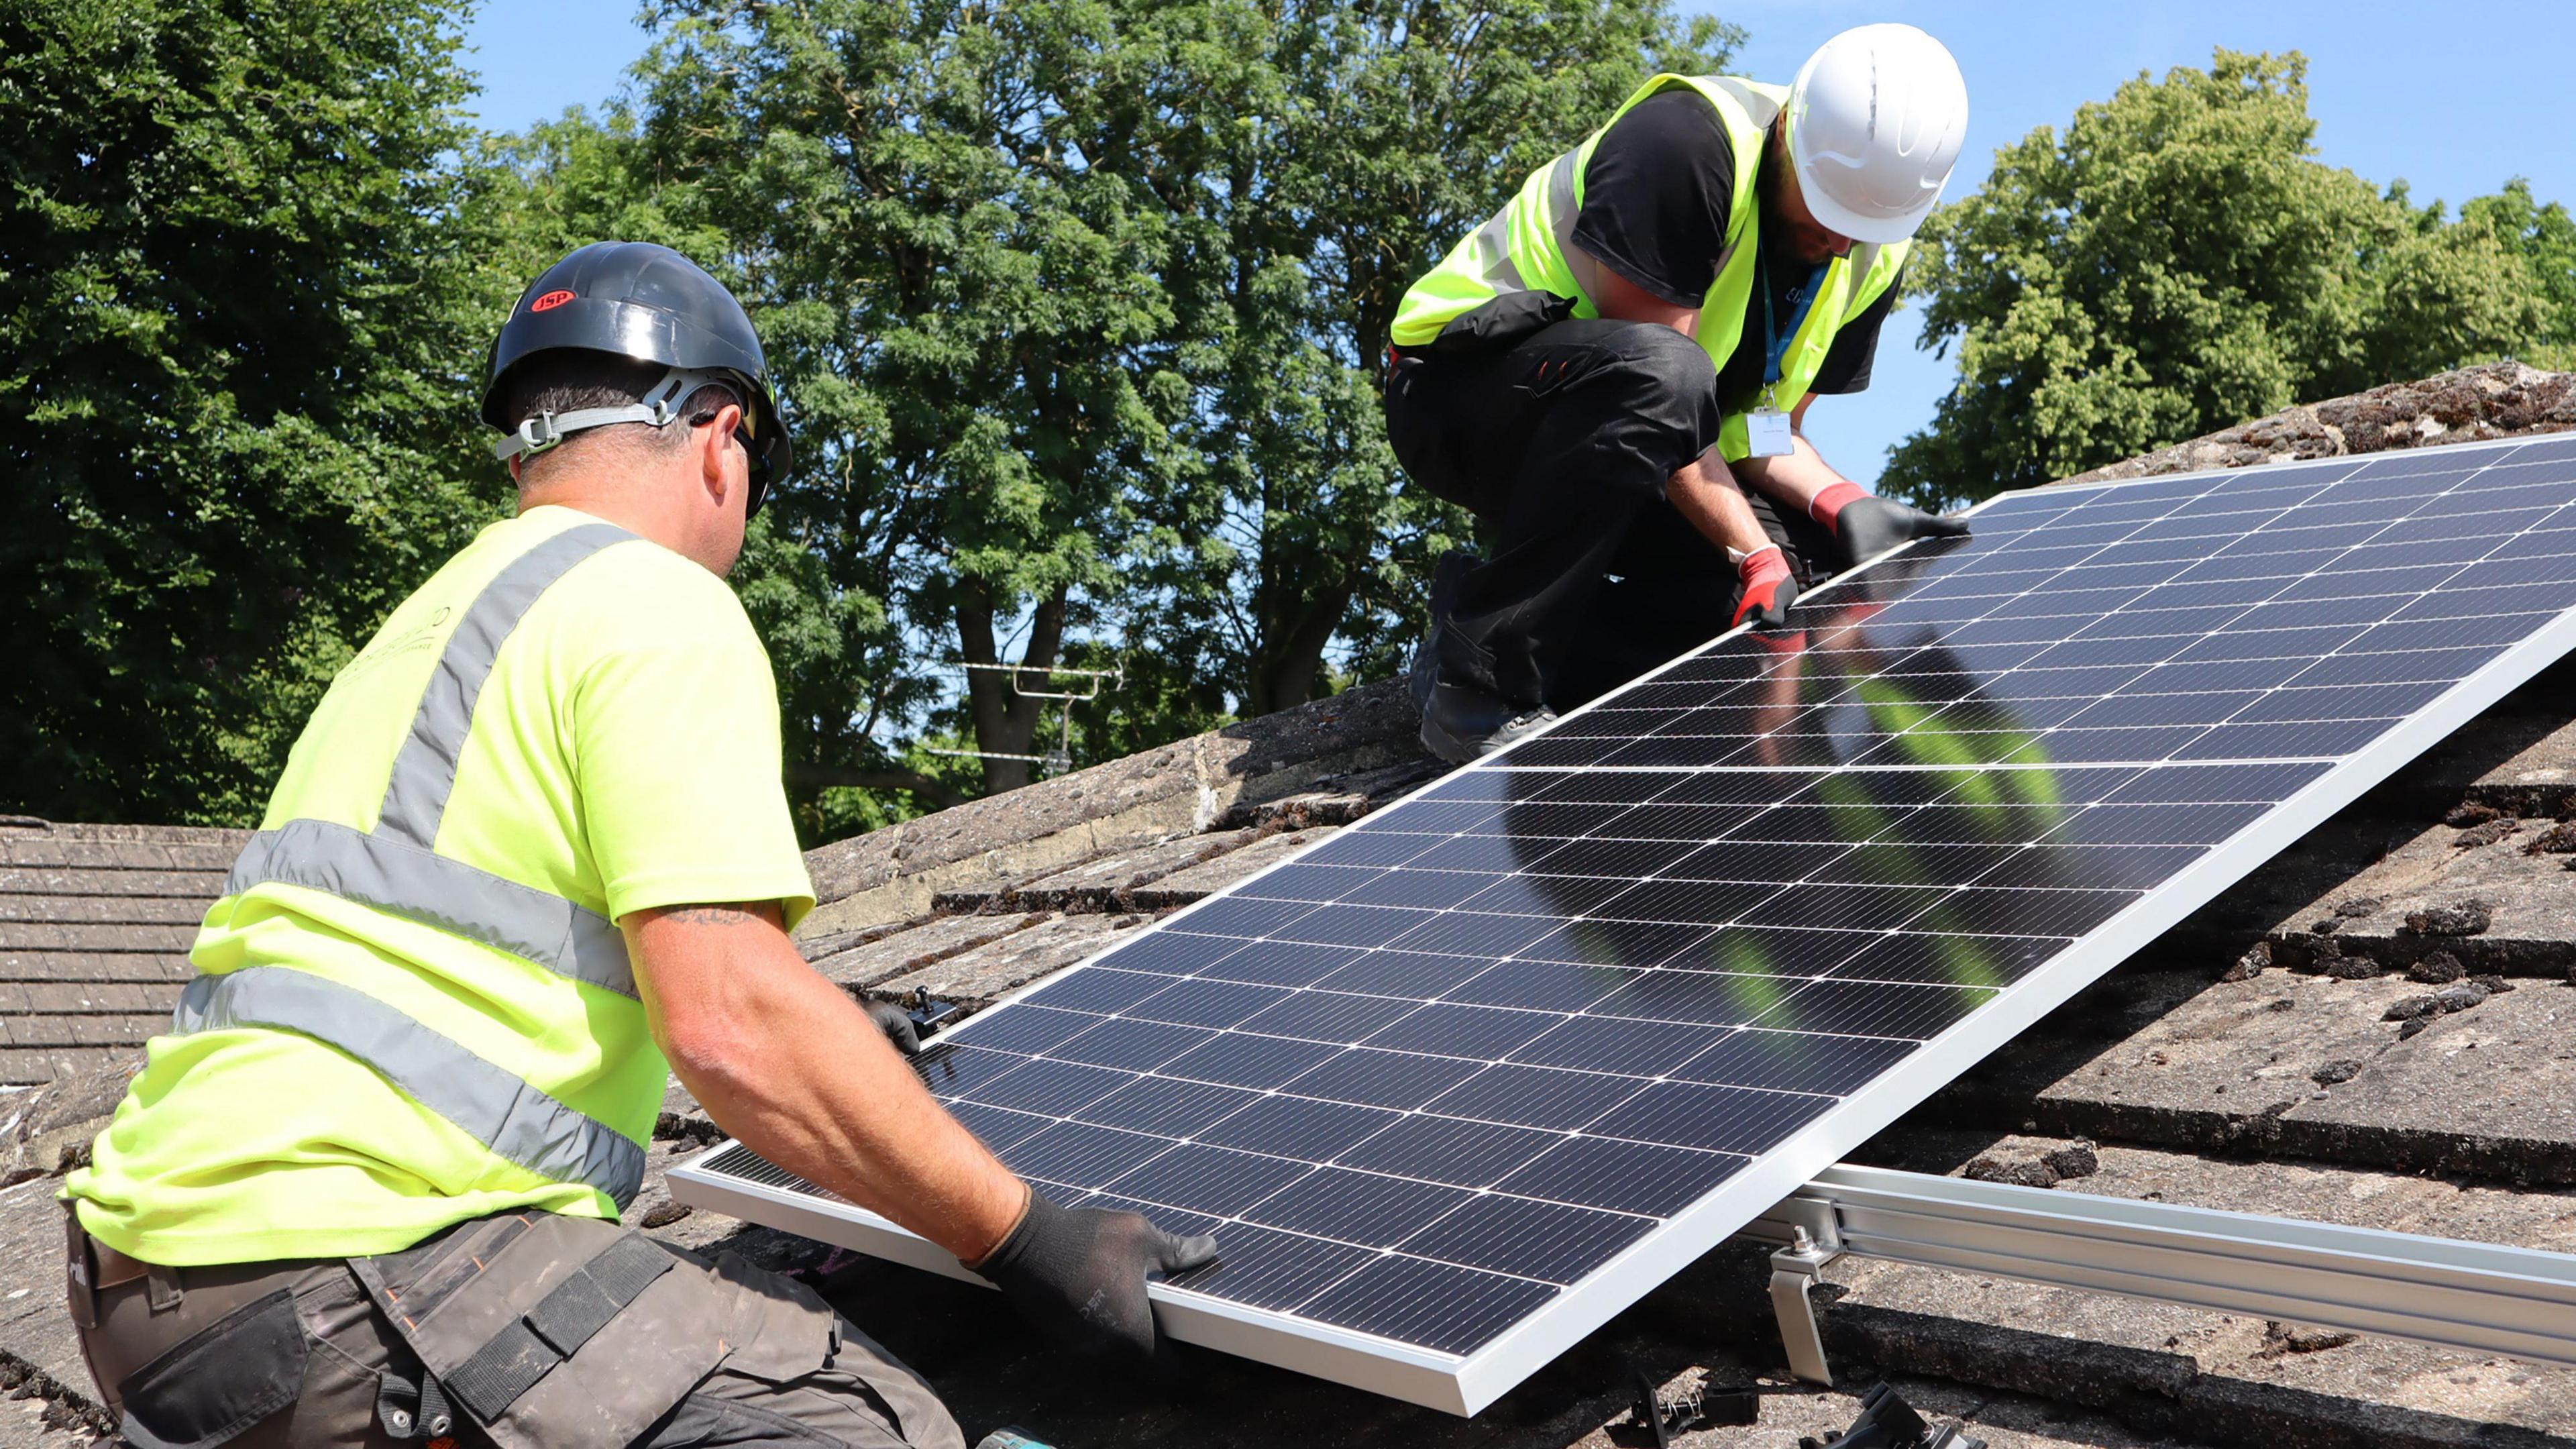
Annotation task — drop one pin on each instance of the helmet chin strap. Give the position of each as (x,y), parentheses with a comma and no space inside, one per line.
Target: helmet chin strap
(660,408)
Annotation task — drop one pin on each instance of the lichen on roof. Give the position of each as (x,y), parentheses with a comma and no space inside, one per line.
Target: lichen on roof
(2471,404)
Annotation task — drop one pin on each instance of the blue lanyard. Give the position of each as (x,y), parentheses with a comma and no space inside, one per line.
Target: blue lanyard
(1804,299)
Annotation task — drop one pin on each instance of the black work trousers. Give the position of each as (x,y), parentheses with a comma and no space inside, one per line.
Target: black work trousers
(523,1330)
(1560,441)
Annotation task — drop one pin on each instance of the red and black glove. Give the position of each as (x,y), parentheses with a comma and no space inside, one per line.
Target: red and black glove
(1768,589)
(1866,526)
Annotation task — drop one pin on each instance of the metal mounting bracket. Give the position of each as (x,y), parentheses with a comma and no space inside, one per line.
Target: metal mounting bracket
(1814,1241)
(1061,757)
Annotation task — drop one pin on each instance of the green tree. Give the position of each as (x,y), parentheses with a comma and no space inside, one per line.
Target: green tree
(1314,159)
(2544,237)
(1081,309)
(834,642)
(2179,261)
(966,311)
(241,307)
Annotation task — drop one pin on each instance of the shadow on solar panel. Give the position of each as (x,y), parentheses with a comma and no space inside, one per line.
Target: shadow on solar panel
(1460,1083)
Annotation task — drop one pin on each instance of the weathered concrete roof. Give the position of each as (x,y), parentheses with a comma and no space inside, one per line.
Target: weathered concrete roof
(1228,776)
(2370,1031)
(2472,404)
(95,922)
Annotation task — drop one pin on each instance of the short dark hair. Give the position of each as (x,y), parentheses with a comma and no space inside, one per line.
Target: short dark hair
(570,379)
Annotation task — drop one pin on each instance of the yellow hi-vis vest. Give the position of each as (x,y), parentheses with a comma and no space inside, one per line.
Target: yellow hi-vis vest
(1525,248)
(414,1005)
(551,958)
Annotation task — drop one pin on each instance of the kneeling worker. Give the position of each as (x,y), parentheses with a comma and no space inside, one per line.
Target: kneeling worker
(1613,375)
(531,845)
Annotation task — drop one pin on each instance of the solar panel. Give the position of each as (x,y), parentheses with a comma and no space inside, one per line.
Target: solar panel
(1463,1081)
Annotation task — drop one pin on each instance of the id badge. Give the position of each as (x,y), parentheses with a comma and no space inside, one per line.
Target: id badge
(1768,431)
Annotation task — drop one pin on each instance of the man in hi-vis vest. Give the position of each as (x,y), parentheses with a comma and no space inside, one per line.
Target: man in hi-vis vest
(531,846)
(1613,375)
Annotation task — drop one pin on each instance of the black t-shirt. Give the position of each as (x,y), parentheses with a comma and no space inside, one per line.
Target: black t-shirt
(1655,202)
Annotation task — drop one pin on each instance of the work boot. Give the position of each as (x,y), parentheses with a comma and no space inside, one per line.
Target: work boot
(1462,724)
(1424,672)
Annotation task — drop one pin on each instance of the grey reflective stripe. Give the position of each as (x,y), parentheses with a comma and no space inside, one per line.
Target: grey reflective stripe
(1493,243)
(425,770)
(1758,108)
(513,1119)
(395,870)
(1561,207)
(1863,256)
(417,884)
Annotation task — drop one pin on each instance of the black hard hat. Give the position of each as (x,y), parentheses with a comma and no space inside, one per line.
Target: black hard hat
(647,302)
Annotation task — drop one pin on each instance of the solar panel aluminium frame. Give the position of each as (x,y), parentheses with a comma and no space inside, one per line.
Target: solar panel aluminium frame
(1465,1384)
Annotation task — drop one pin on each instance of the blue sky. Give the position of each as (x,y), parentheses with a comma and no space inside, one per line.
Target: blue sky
(2453,100)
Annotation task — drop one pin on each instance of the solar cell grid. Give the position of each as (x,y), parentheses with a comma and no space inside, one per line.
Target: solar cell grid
(1568,1047)
(1441,1071)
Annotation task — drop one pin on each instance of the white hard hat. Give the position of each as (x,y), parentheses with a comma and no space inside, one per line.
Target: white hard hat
(1876,120)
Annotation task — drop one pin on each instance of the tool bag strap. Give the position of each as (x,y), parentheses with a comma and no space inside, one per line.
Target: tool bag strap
(555,1329)
(412,1407)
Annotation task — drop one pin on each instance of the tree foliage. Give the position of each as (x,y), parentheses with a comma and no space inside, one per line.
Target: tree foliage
(1081,309)
(966,314)
(1315,159)
(2543,237)
(2178,261)
(241,309)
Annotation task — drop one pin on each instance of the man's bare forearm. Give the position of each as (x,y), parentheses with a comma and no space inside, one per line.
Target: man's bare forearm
(788,1064)
(1792,479)
(1704,492)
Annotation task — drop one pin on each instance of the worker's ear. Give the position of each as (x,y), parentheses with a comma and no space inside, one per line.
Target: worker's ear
(723,468)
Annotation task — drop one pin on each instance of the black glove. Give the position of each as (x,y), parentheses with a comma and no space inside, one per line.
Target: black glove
(1079,1273)
(1867,527)
(896,1023)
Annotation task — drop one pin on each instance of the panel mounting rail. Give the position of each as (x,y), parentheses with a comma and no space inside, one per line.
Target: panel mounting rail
(2518,1302)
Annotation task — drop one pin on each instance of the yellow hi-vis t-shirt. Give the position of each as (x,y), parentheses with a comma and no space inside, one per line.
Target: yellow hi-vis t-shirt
(622,753)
